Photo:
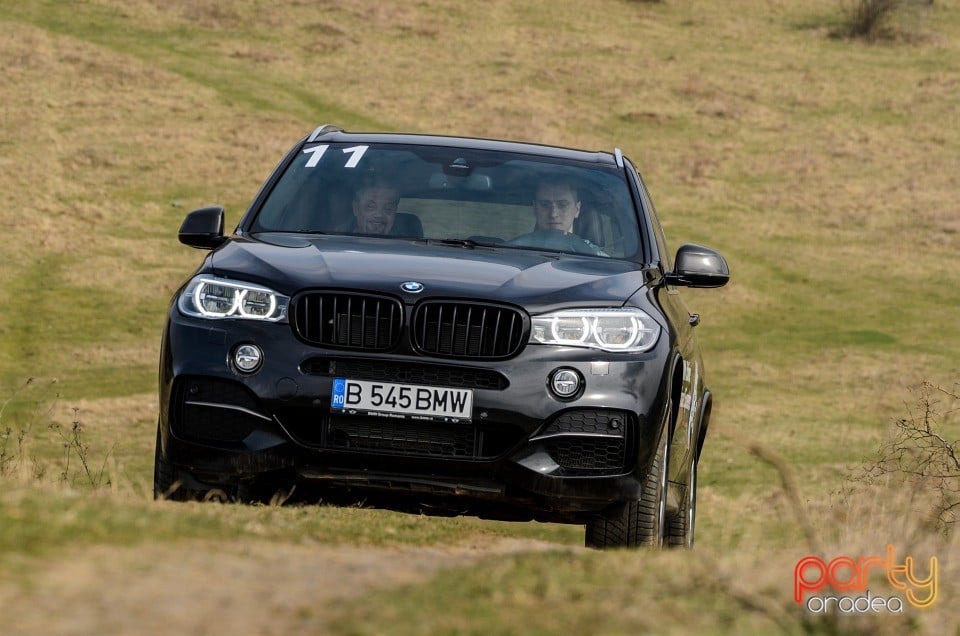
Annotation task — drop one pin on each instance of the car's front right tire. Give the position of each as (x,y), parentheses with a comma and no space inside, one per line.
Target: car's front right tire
(640,523)
(166,478)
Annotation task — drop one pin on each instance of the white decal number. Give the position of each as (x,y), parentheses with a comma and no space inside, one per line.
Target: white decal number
(316,153)
(356,154)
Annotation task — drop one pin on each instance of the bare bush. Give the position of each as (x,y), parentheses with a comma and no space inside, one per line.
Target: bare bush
(14,455)
(873,20)
(868,18)
(22,453)
(74,443)
(921,455)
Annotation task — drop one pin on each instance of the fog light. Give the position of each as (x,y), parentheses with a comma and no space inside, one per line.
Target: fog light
(565,383)
(248,358)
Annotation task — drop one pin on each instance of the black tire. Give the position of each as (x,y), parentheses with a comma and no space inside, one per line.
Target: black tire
(683,523)
(640,523)
(166,478)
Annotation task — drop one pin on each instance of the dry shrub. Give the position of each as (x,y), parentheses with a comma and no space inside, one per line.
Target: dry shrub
(872,20)
(27,451)
(923,458)
(868,18)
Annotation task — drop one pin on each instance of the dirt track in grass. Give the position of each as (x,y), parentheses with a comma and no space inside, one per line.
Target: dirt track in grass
(218,588)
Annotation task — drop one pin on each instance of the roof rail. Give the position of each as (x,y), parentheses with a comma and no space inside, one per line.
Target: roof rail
(619,155)
(322,130)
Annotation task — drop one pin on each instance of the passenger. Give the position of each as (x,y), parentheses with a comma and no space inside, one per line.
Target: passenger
(374,208)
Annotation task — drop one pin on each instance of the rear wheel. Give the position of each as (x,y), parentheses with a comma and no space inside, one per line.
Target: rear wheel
(640,523)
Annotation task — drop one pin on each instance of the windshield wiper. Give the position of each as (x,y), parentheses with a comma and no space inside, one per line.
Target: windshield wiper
(460,243)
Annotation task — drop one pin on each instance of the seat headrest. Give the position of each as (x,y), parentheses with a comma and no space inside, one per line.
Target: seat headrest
(407,224)
(587,225)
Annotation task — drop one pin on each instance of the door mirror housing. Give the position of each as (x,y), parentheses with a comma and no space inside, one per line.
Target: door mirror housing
(203,228)
(698,266)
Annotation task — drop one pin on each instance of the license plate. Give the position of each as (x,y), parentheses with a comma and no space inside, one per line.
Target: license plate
(359,396)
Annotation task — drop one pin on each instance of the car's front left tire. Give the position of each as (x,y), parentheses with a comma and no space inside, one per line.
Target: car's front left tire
(682,524)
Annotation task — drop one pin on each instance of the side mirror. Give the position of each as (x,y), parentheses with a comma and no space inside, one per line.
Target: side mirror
(203,228)
(698,266)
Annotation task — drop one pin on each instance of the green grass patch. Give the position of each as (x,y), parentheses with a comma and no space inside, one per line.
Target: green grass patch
(39,520)
(616,593)
(192,52)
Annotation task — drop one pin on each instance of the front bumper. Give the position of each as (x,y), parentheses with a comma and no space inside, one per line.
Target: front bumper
(524,453)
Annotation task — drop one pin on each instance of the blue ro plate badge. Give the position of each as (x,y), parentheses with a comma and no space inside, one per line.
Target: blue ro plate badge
(401,400)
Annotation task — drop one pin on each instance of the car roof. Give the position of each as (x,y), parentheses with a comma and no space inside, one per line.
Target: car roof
(330,133)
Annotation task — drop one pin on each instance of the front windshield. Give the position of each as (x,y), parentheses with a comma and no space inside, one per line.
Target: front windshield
(454,194)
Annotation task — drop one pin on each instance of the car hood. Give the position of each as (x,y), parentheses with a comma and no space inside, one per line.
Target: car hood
(538,281)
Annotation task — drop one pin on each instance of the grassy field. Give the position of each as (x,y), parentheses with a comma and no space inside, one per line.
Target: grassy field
(827,170)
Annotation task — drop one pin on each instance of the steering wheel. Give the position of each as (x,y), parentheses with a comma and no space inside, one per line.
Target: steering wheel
(558,240)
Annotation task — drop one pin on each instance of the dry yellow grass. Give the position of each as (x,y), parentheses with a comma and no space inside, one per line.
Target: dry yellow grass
(826,171)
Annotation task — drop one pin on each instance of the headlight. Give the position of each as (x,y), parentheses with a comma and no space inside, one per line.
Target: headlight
(212,297)
(628,330)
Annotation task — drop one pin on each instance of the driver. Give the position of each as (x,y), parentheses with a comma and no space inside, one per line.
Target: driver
(556,205)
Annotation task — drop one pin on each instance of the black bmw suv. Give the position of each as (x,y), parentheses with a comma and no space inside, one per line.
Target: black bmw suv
(443,325)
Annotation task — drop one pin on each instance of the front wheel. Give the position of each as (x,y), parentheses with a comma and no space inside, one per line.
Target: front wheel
(640,523)
(166,478)
(682,524)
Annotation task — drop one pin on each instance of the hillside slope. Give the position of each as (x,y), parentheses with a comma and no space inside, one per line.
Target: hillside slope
(826,170)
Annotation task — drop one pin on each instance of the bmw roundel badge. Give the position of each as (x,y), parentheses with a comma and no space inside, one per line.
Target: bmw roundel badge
(412,287)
